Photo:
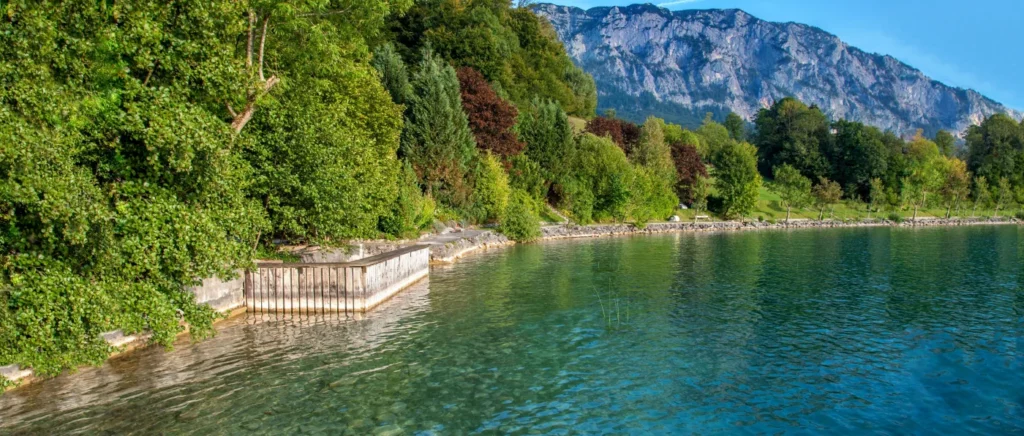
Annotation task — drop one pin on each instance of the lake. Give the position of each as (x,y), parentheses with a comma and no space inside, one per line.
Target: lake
(845,331)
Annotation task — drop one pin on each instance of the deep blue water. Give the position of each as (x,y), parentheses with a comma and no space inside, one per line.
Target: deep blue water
(888,331)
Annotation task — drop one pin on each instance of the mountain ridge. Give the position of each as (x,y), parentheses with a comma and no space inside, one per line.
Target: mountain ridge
(680,64)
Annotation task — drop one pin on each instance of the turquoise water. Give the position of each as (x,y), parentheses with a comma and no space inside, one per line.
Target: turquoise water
(841,331)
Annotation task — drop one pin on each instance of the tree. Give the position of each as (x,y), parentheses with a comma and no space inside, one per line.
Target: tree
(946,143)
(548,136)
(713,137)
(876,196)
(1004,194)
(956,184)
(792,187)
(393,73)
(857,154)
(736,126)
(737,178)
(437,140)
(700,192)
(604,172)
(826,194)
(994,148)
(623,133)
(982,194)
(653,153)
(790,132)
(490,118)
(689,169)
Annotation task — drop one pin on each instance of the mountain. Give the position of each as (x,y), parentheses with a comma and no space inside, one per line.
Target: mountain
(679,65)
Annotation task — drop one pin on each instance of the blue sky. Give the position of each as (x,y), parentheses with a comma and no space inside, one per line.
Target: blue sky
(969,44)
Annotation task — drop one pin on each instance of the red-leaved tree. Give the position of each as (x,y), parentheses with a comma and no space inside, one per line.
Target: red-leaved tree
(623,133)
(490,118)
(689,166)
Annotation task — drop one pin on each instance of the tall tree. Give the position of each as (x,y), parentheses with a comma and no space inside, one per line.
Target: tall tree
(437,140)
(736,126)
(876,196)
(701,190)
(1004,194)
(790,132)
(490,118)
(689,169)
(737,179)
(946,142)
(826,194)
(393,73)
(994,149)
(792,187)
(653,153)
(956,183)
(982,194)
(623,133)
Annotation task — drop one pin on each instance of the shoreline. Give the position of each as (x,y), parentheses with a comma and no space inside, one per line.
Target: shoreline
(487,240)
(452,250)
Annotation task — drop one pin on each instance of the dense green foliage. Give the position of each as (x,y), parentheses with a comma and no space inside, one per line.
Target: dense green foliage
(521,223)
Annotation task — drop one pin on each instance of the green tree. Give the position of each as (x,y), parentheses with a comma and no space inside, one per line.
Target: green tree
(994,149)
(1004,194)
(982,194)
(793,188)
(736,126)
(653,153)
(876,196)
(491,191)
(946,143)
(826,194)
(790,132)
(520,222)
(713,137)
(393,73)
(857,154)
(737,179)
(437,140)
(701,190)
(956,184)
(548,136)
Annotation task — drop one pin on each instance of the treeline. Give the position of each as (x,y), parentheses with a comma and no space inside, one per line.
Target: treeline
(813,160)
(145,145)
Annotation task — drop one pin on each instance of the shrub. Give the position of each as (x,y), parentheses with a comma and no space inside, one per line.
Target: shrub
(623,133)
(491,190)
(1019,215)
(521,223)
(895,217)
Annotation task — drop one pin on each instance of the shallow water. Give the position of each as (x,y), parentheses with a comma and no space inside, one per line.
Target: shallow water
(854,330)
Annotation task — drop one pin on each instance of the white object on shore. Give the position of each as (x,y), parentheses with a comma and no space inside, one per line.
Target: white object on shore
(674,219)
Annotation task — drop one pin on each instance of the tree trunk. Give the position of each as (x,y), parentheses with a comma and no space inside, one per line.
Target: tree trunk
(914,219)
(949,207)
(832,213)
(821,213)
(788,208)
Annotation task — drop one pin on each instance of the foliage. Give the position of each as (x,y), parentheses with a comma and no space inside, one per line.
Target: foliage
(689,169)
(437,140)
(512,47)
(736,126)
(946,142)
(737,178)
(490,118)
(956,183)
(713,137)
(527,175)
(857,155)
(995,149)
(877,194)
(790,132)
(119,187)
(411,210)
(548,136)
(623,133)
(982,194)
(603,170)
(326,184)
(826,194)
(792,187)
(520,223)
(491,192)
(651,196)
(393,73)
(701,191)
(652,152)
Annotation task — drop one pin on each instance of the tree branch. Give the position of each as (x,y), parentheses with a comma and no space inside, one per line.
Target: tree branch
(323,14)
(263,41)
(231,110)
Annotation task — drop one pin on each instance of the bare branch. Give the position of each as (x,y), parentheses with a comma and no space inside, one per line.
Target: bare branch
(263,41)
(231,110)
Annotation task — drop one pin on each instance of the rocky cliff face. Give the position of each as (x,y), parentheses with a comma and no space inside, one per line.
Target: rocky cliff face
(678,65)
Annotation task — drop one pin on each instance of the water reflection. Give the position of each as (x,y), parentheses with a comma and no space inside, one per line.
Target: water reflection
(860,330)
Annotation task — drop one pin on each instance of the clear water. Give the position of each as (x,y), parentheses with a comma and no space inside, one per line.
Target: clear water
(838,331)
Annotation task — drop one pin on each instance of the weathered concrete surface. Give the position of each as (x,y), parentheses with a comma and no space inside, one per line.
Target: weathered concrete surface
(450,247)
(221,295)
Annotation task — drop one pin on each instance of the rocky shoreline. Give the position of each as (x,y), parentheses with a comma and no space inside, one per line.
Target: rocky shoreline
(450,252)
